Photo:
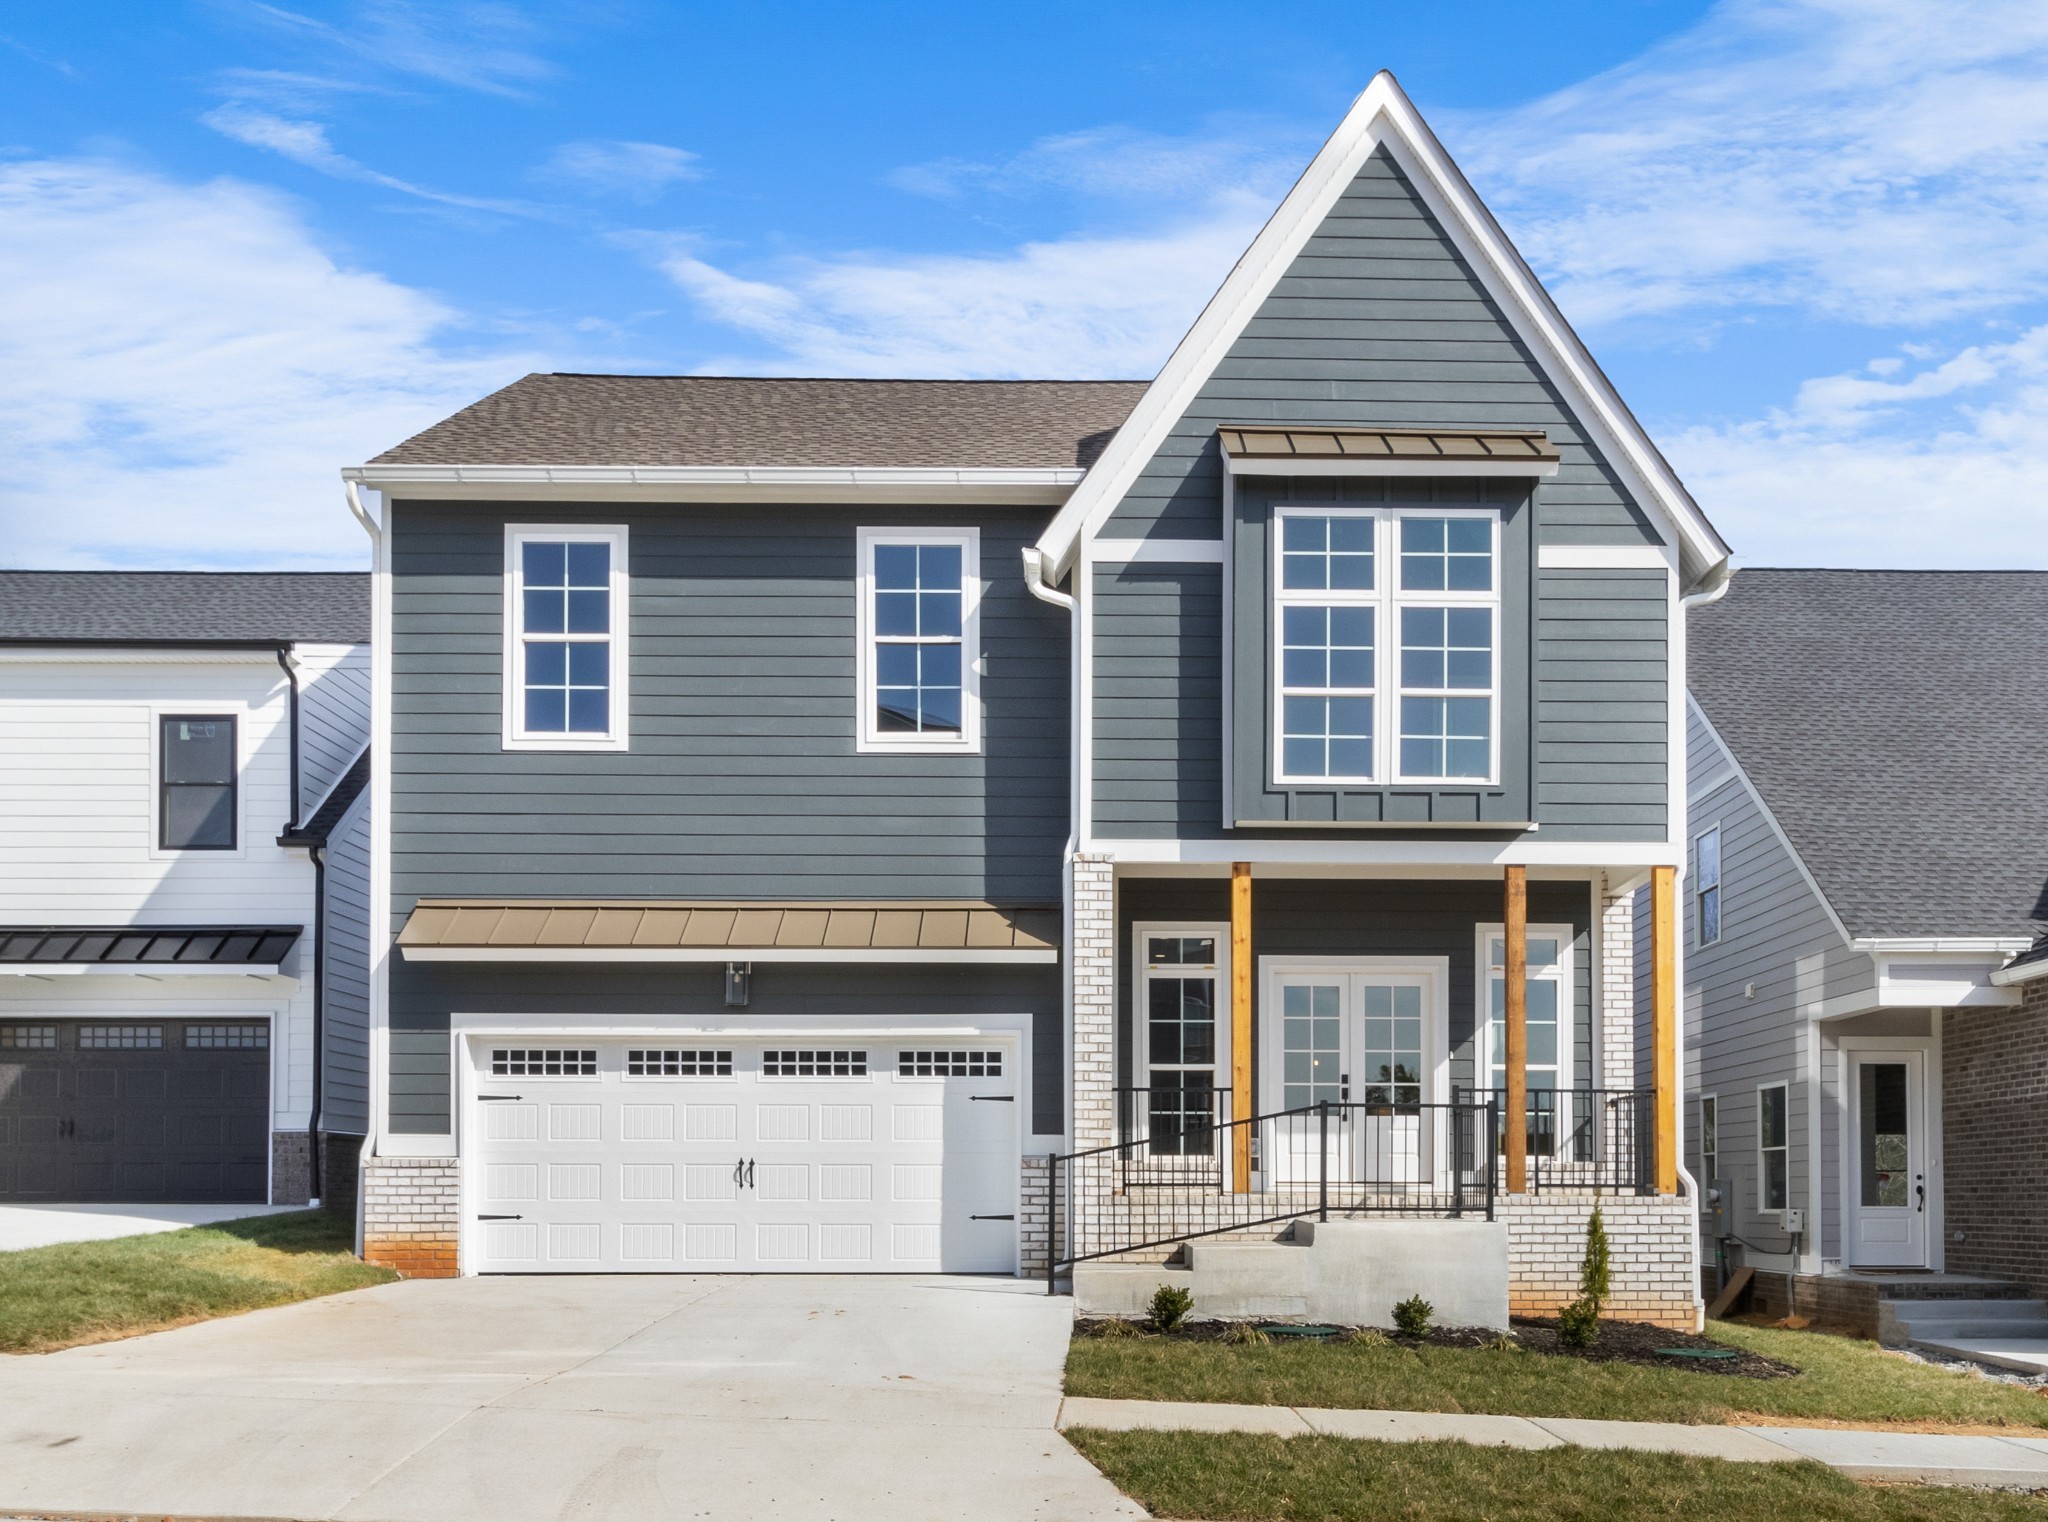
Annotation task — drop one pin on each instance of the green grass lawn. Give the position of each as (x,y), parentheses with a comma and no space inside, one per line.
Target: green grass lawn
(1243,1477)
(58,1297)
(1840,1378)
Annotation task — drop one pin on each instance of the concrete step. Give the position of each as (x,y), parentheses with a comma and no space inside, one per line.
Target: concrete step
(1271,1280)
(1947,1320)
(1123,1289)
(2023,1355)
(1918,1287)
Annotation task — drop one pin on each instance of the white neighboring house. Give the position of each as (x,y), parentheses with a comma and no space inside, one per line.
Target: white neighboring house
(184,839)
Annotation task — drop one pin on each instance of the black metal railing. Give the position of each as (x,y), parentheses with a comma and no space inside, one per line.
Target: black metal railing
(1156,1186)
(1601,1140)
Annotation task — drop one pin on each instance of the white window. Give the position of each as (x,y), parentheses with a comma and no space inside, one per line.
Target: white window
(1774,1186)
(566,606)
(1710,1142)
(1707,887)
(1179,1038)
(1548,1006)
(1387,636)
(920,603)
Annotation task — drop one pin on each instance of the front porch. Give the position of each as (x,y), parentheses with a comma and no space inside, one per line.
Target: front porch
(1254,1052)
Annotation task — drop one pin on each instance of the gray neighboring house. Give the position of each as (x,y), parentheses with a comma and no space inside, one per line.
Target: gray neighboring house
(184,854)
(1867,987)
(996,826)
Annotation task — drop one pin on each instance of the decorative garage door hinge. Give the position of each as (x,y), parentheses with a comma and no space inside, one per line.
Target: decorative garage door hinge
(991,1218)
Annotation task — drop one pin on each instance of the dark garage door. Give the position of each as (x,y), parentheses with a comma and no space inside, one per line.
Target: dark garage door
(138,1111)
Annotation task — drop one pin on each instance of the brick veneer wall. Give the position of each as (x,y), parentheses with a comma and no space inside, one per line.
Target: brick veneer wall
(1036,1230)
(1994,1093)
(291,1168)
(1617,932)
(411,1210)
(1650,1237)
(1094,1002)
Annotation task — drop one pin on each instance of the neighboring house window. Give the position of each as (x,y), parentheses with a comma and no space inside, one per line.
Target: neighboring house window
(196,783)
(1178,1046)
(566,606)
(1336,608)
(1707,885)
(919,608)
(1710,1143)
(1774,1186)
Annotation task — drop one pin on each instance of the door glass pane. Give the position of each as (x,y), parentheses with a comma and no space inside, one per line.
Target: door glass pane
(1881,1120)
(1311,1046)
(1180,1110)
(1393,1044)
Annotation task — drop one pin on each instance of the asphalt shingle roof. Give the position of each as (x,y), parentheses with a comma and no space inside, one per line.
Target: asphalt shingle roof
(724,420)
(1896,722)
(109,607)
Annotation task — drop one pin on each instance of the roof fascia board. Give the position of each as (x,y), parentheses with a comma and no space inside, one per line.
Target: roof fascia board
(1383,116)
(716,483)
(828,954)
(2026,972)
(1372,465)
(162,651)
(1999,946)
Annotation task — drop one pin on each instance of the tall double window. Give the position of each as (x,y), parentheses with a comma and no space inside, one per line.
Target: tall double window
(919,610)
(1178,1039)
(566,595)
(1388,645)
(196,786)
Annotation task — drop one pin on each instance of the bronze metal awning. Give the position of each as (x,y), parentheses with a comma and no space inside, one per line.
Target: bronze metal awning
(659,930)
(1309,450)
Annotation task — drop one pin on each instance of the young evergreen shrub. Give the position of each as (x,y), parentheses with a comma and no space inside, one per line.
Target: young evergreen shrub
(1412,1316)
(1170,1306)
(1578,1324)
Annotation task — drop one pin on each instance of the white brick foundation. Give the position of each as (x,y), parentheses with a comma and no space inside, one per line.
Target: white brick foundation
(1617,990)
(1094,1002)
(411,1215)
(1651,1238)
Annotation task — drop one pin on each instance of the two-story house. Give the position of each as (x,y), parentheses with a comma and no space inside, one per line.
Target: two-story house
(1868,879)
(999,825)
(184,851)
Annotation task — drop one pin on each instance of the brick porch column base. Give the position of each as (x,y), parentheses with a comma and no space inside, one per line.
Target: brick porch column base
(1650,1238)
(411,1209)
(1034,1216)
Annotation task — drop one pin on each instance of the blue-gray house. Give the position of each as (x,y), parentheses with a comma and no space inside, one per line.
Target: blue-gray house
(985,826)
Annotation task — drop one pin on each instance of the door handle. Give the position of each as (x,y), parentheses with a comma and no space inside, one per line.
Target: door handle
(497,1098)
(1920,1203)
(501,1218)
(994,1099)
(750,1173)
(991,1218)
(739,1174)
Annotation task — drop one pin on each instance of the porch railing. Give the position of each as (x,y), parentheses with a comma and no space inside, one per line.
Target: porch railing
(1601,1140)
(1173,1180)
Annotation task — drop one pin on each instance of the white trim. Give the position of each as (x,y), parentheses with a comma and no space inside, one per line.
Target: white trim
(265,971)
(870,955)
(618,637)
(1134,1027)
(1699,890)
(1712,1180)
(2006,977)
(1847,1166)
(1435,973)
(140,655)
(1589,854)
(1383,116)
(1381,465)
(1785,1147)
(1943,945)
(869,482)
(1564,975)
(869,740)
(1603,557)
(1971,982)
(1155,552)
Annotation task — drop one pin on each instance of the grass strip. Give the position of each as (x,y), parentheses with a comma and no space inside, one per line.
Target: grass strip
(1840,1379)
(79,1292)
(1242,1477)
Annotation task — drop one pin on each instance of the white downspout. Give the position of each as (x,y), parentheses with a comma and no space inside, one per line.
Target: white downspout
(380,871)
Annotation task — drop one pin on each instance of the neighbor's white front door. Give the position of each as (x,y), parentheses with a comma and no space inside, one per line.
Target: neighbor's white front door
(1887,1163)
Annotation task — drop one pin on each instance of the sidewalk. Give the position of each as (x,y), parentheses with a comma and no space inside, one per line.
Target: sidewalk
(1862,1454)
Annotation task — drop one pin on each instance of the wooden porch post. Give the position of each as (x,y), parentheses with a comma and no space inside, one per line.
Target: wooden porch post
(1241,1024)
(1515,982)
(1664,1022)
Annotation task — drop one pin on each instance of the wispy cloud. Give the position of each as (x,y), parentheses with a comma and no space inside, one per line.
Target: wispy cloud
(183,369)
(305,143)
(634,171)
(1127,165)
(478,45)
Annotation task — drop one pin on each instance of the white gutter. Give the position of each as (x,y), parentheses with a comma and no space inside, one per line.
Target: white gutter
(1944,945)
(1027,483)
(379,927)
(2026,972)
(1036,584)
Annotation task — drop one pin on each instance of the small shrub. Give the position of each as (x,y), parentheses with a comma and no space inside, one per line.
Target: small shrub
(1242,1334)
(1578,1324)
(1412,1316)
(1116,1330)
(1170,1306)
(1594,1267)
(1366,1337)
(1504,1343)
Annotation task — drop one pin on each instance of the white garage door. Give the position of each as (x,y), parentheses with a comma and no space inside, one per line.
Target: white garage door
(721,1156)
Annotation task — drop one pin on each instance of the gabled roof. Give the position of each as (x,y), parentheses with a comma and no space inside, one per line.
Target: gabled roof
(180,607)
(1384,118)
(1896,724)
(708,421)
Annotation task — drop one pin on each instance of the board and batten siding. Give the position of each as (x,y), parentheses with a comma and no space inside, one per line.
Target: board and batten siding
(1777,937)
(741,778)
(345,1101)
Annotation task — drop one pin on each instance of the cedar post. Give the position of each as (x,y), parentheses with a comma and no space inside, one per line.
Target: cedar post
(1664,1022)
(1241,1025)
(1515,985)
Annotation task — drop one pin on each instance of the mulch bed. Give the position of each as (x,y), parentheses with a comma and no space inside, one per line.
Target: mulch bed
(1620,1342)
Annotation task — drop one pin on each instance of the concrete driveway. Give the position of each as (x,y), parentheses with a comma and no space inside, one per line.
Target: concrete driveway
(786,1397)
(46,1225)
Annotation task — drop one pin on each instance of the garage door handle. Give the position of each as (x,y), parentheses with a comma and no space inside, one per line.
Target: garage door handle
(994,1099)
(497,1098)
(750,1173)
(991,1218)
(501,1218)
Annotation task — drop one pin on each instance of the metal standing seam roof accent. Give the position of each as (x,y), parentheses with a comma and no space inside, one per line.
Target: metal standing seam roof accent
(890,925)
(1448,445)
(121,945)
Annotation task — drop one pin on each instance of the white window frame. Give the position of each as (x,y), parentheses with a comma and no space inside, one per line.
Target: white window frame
(1700,888)
(1710,1157)
(1141,970)
(516,735)
(1387,600)
(1763,1205)
(1567,989)
(1434,973)
(868,738)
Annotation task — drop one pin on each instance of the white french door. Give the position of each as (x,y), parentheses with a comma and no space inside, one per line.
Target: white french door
(1887,1163)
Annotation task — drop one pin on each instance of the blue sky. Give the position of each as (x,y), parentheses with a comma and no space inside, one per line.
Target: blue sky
(243,244)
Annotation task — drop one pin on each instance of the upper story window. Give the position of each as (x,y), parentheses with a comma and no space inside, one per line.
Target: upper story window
(196,783)
(1346,713)
(565,623)
(919,604)
(1707,887)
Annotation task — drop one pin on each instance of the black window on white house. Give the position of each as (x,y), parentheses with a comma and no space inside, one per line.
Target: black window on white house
(196,782)
(1350,580)
(565,657)
(1707,887)
(919,606)
(1773,1130)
